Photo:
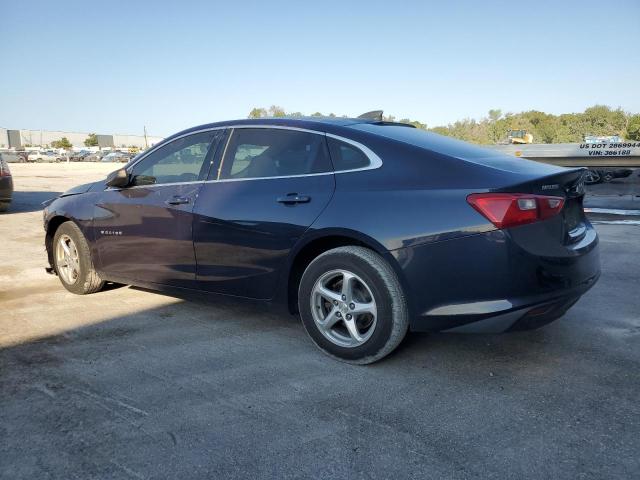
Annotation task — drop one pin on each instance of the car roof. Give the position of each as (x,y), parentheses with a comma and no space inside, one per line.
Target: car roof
(329,124)
(290,121)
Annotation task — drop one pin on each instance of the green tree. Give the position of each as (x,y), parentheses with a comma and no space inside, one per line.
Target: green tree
(441,130)
(62,143)
(257,113)
(495,114)
(633,128)
(571,128)
(494,127)
(545,127)
(541,125)
(547,132)
(276,111)
(602,120)
(91,140)
(415,123)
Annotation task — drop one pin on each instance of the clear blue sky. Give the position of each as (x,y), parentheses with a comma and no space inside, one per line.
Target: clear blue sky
(114,66)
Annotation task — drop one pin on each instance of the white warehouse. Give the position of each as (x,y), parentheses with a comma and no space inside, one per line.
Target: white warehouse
(41,138)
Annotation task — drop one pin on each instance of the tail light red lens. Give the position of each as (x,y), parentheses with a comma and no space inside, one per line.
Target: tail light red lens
(4,168)
(506,210)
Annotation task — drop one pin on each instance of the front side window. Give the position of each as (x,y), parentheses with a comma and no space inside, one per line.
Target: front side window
(181,160)
(273,152)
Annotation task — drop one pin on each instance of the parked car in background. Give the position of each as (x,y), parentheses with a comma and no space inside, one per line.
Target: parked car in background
(79,156)
(602,139)
(116,157)
(595,175)
(134,157)
(6,184)
(95,156)
(11,156)
(48,156)
(365,228)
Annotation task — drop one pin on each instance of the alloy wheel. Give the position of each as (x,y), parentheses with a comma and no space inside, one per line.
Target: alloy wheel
(343,308)
(67,259)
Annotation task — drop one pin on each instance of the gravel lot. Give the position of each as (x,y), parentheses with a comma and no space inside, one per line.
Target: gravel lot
(132,384)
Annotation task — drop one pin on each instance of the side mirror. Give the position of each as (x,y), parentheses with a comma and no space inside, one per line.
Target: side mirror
(118,179)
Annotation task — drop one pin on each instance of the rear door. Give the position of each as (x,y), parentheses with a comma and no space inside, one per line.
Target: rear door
(269,187)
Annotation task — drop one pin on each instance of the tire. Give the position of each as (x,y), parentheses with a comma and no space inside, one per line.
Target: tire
(593,177)
(4,206)
(374,287)
(86,280)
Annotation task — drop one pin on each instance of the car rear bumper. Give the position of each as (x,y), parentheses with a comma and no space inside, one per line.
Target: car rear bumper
(488,283)
(530,317)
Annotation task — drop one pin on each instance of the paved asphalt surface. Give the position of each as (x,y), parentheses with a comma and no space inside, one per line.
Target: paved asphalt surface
(131,384)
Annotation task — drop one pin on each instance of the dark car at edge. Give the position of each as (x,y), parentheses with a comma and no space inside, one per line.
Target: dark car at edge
(6,185)
(366,229)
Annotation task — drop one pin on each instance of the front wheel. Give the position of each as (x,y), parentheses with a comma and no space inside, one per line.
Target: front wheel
(72,260)
(352,305)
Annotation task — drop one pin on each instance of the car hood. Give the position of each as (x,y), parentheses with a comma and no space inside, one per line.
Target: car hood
(78,189)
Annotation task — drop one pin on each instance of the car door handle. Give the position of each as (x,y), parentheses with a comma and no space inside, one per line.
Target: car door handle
(292,198)
(177,201)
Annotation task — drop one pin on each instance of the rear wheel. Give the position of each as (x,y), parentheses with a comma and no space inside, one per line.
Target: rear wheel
(352,305)
(72,261)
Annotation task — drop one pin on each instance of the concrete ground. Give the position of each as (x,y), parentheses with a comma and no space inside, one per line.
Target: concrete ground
(131,384)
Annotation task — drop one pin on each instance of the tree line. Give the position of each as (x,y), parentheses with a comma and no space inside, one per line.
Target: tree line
(599,120)
(90,141)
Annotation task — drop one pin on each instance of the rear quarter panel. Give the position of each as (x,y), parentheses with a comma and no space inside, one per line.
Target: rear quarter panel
(414,197)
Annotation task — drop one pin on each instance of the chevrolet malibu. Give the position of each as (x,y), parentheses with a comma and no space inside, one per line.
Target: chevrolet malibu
(364,228)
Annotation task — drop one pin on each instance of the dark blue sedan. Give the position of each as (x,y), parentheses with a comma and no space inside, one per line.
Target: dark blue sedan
(365,228)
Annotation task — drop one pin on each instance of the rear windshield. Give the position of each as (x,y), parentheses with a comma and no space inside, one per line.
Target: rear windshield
(456,148)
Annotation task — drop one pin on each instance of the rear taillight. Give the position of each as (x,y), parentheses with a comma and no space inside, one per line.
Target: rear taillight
(4,168)
(506,210)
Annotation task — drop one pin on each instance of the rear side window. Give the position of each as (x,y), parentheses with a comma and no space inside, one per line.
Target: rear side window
(346,157)
(273,152)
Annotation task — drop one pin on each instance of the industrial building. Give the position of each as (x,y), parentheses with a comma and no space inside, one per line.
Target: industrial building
(42,138)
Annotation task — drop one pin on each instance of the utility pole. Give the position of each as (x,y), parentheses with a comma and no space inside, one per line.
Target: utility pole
(146,144)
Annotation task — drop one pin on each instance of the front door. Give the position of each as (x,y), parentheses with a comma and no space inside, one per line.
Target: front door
(271,185)
(144,231)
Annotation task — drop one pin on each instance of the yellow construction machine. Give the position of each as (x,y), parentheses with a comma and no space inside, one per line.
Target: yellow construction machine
(519,136)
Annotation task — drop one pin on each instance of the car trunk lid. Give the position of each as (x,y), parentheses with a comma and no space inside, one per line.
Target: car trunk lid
(570,225)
